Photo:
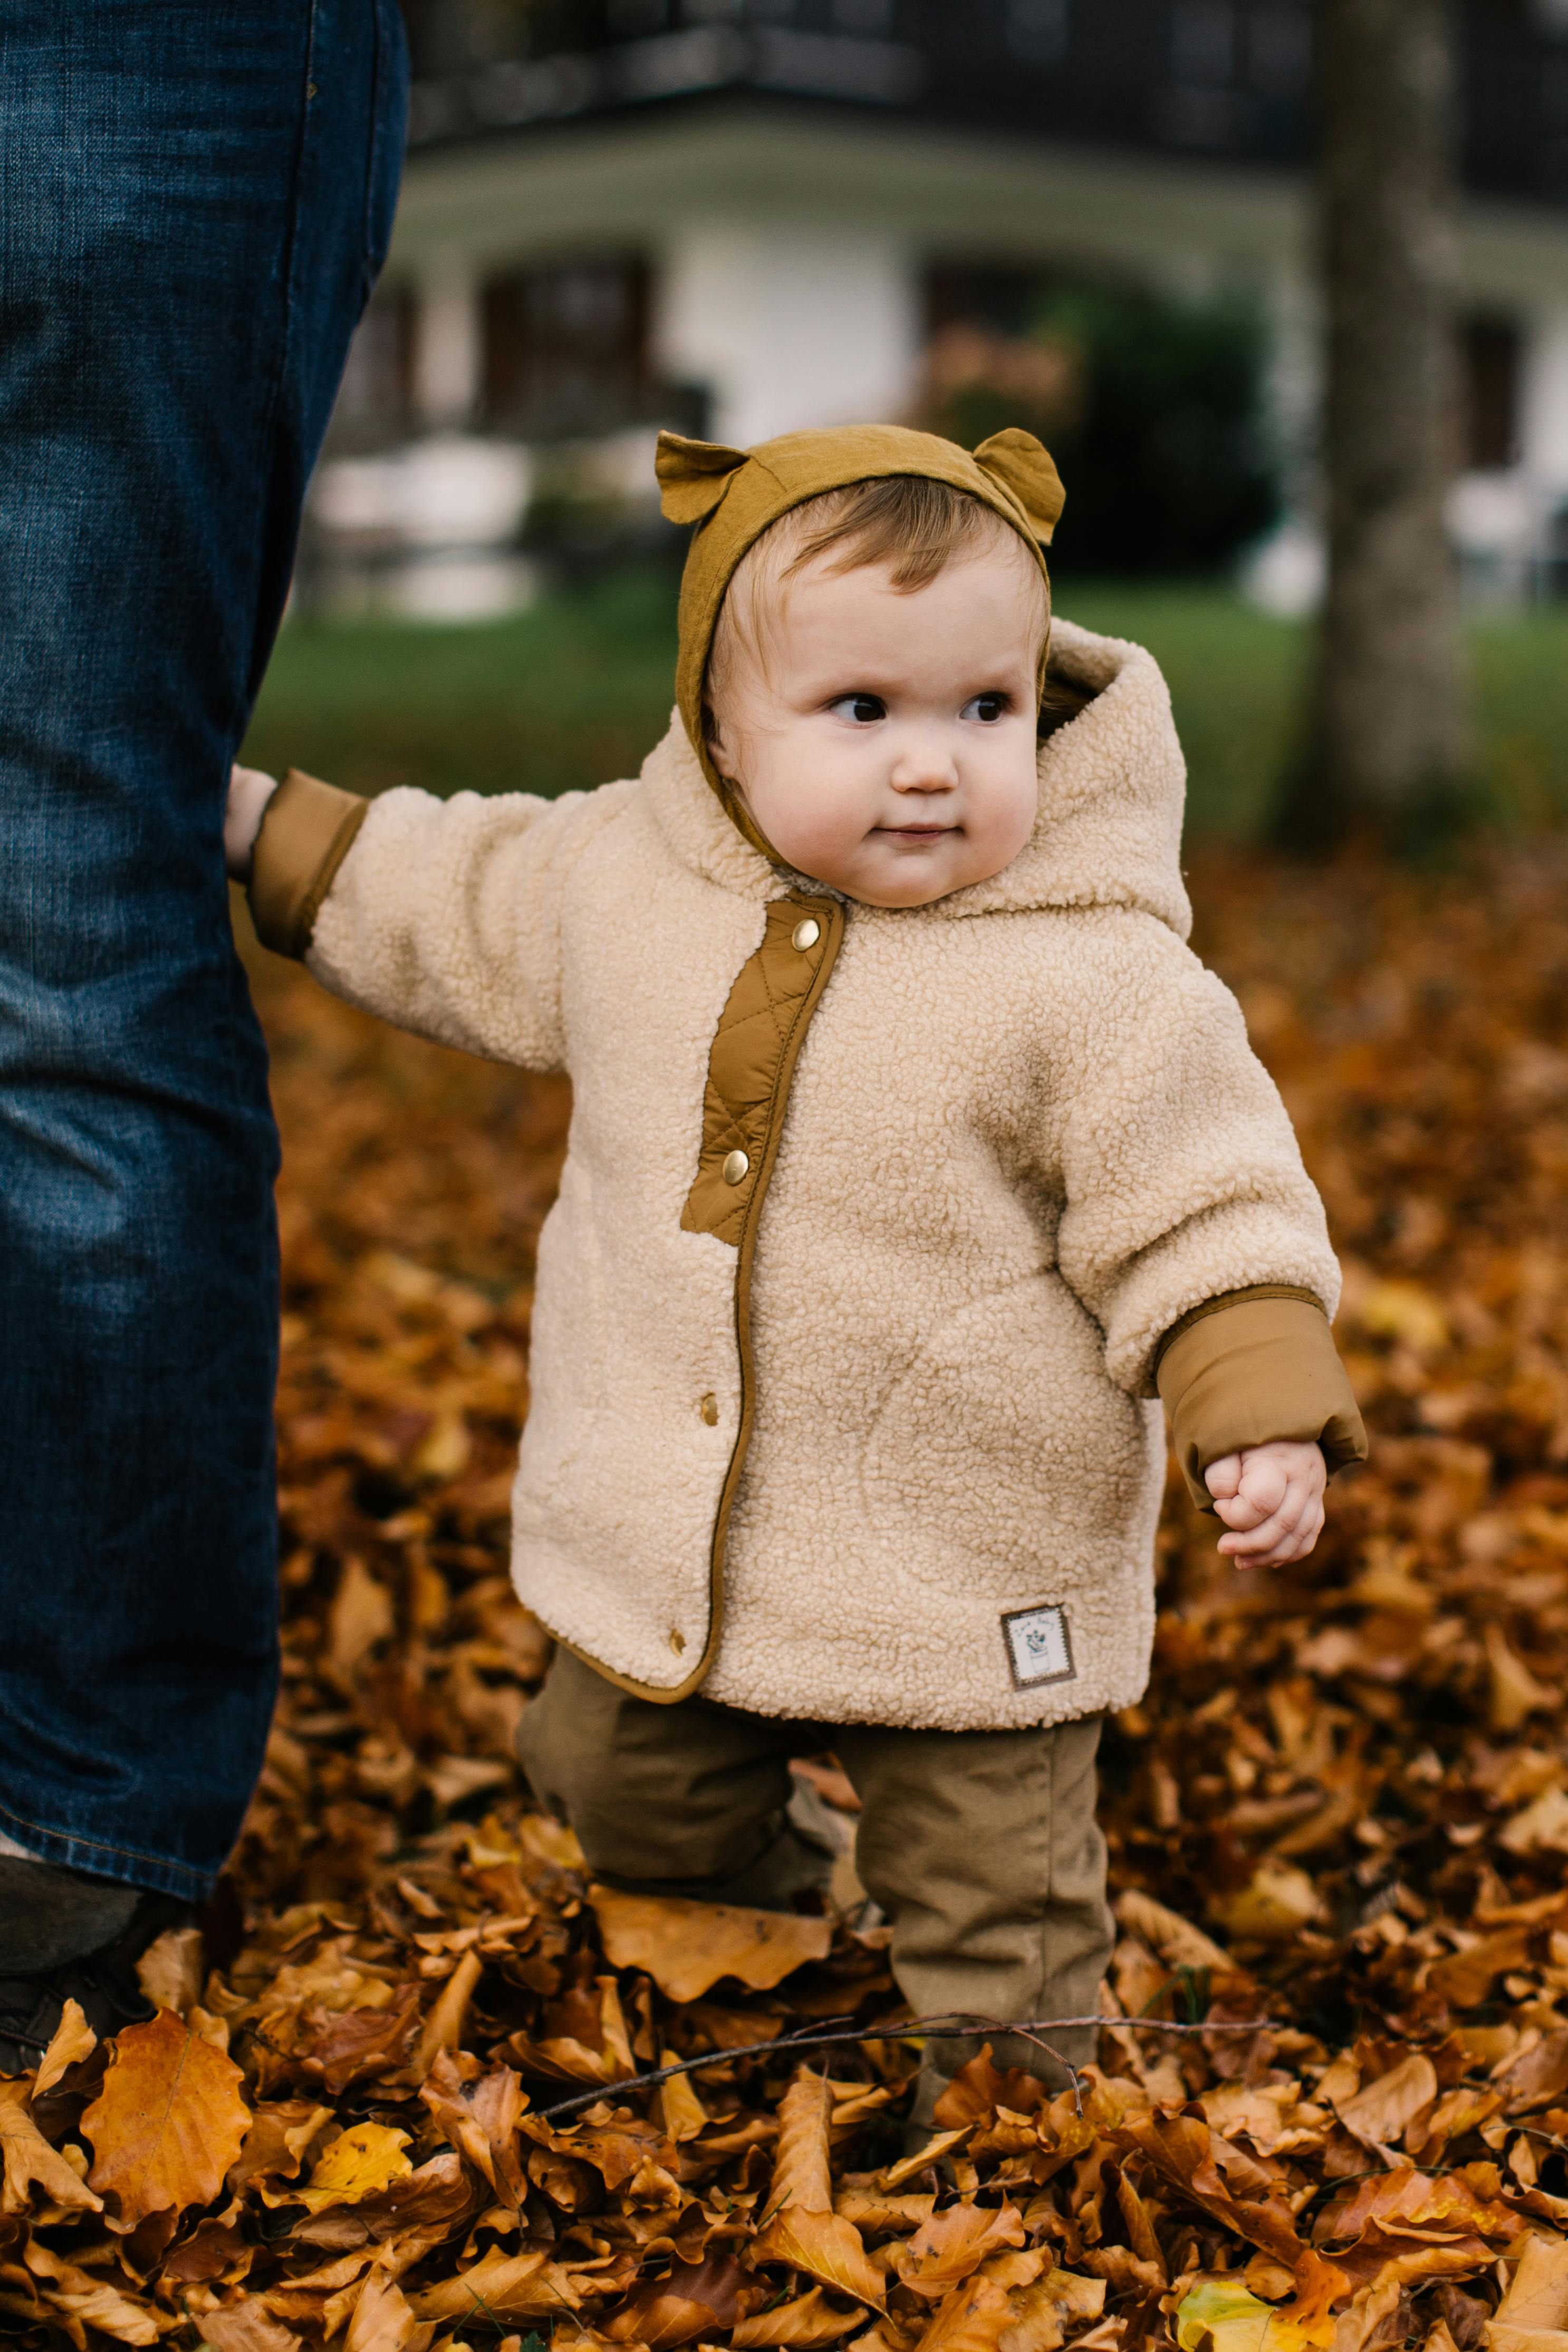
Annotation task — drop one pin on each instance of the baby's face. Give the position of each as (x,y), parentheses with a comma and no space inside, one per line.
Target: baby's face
(887,746)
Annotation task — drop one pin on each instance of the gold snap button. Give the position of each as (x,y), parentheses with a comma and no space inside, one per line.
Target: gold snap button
(736,1166)
(677,1641)
(806,935)
(709,1409)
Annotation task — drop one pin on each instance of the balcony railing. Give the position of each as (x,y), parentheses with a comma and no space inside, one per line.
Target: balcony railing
(1229,79)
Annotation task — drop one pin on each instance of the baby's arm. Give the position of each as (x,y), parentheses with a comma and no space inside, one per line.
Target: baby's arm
(442,916)
(1194,1236)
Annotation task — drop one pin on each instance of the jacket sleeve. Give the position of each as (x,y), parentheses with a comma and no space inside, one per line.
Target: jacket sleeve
(1189,1228)
(442,916)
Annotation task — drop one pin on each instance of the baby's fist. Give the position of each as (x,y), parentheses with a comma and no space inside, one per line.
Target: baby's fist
(249,791)
(1271,1498)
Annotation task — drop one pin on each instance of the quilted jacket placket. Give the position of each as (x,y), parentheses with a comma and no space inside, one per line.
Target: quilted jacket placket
(750,1063)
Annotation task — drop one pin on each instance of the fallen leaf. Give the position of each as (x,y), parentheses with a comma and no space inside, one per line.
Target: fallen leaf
(1277,1902)
(807,2323)
(359,2162)
(1179,1943)
(686,1947)
(245,2325)
(507,2286)
(73,2040)
(1380,2111)
(1219,2315)
(382,2321)
(692,2299)
(168,2123)
(944,2250)
(1537,2292)
(30,2163)
(170,1970)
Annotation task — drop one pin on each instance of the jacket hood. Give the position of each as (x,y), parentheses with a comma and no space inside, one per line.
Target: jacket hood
(1111,788)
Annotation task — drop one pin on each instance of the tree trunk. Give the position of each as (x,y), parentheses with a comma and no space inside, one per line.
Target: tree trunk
(1387,739)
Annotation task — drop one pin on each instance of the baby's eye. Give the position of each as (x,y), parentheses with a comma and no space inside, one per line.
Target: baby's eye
(985,707)
(863,709)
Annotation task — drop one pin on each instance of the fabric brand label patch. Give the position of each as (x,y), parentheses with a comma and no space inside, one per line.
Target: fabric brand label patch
(1039,1648)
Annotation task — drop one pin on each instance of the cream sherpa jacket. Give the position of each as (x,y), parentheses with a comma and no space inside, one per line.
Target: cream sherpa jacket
(871,1222)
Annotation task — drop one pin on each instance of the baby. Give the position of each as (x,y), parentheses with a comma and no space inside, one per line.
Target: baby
(913,1157)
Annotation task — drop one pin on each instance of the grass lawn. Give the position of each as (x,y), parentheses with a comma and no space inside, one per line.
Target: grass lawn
(577,690)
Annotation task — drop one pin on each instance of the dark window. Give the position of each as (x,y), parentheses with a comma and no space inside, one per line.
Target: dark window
(1490,388)
(566,348)
(377,390)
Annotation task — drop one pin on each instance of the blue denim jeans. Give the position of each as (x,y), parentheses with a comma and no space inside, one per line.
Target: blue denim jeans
(195,196)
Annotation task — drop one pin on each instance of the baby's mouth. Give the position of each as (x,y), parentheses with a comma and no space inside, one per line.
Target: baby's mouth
(918,832)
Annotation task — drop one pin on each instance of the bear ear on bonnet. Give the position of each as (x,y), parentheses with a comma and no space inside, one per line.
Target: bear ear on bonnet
(692,476)
(1024,467)
(695,475)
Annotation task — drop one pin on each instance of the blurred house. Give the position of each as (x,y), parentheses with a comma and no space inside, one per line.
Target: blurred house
(738,216)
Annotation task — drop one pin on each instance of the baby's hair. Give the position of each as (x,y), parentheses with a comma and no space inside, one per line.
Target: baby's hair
(913,525)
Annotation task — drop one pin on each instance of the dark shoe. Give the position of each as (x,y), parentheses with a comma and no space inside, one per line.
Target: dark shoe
(67,1936)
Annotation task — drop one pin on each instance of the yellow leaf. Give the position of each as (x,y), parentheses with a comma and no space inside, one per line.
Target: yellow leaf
(685,1948)
(169,2121)
(1216,2315)
(358,2163)
(1404,1311)
(1277,1901)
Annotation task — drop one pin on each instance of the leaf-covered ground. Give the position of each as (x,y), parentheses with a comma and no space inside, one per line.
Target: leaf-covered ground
(1343,1807)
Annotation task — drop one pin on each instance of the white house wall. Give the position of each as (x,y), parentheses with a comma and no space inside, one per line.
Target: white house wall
(788,247)
(789,326)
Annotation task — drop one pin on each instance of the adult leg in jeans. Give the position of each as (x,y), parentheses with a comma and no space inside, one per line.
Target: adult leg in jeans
(194,202)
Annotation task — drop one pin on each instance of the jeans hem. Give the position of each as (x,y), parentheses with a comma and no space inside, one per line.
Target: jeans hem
(152,1873)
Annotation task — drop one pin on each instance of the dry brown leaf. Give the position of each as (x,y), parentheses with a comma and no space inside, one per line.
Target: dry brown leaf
(1179,1943)
(245,2325)
(1380,2111)
(73,2039)
(1537,2292)
(973,2318)
(827,2247)
(168,2123)
(801,2173)
(444,2027)
(944,2250)
(807,2323)
(31,2164)
(686,1948)
(507,2286)
(172,1969)
(382,2321)
(692,2299)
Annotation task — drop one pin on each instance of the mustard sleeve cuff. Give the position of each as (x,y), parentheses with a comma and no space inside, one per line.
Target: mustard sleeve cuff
(1252,1367)
(307,831)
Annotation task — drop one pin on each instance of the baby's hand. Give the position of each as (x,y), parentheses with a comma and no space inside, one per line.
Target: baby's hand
(1271,1498)
(249,791)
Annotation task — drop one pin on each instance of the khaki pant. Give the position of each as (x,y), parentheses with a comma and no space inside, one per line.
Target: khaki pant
(981,1847)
